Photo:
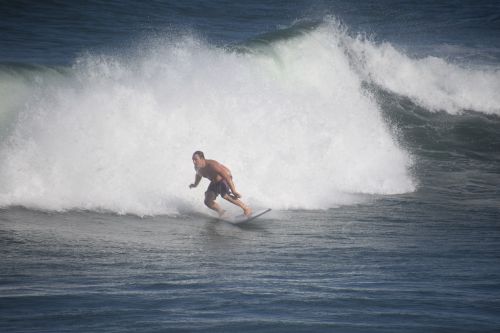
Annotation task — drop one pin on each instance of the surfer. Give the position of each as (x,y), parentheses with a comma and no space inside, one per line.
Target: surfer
(221,182)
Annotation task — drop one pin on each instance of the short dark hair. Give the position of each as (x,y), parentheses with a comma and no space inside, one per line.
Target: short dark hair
(199,153)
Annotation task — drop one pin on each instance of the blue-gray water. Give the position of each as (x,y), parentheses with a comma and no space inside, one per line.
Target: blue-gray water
(372,130)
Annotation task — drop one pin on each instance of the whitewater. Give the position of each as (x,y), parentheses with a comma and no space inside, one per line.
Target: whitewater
(296,121)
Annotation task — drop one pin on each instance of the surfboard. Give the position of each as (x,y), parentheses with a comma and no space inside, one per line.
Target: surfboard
(243,219)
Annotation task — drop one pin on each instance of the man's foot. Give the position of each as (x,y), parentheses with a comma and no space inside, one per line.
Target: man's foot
(222,214)
(247,211)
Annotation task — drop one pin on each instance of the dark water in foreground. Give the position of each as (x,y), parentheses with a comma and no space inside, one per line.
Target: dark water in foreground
(389,145)
(390,265)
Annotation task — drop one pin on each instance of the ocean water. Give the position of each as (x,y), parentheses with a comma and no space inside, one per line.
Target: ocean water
(371,129)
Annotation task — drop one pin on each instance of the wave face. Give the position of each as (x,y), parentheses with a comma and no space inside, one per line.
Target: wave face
(291,117)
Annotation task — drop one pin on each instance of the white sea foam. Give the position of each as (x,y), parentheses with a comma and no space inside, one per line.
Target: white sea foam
(296,128)
(431,82)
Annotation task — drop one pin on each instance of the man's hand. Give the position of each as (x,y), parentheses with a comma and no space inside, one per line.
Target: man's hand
(236,195)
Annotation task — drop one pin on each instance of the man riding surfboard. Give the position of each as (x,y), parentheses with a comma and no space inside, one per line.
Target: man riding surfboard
(221,183)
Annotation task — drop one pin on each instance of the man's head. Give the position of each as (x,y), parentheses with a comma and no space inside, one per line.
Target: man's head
(198,159)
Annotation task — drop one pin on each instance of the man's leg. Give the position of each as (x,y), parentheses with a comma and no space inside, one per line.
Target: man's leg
(210,202)
(246,210)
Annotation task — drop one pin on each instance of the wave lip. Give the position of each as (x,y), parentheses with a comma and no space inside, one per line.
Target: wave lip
(431,82)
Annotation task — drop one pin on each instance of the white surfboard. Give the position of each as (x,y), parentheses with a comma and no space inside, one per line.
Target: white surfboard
(243,218)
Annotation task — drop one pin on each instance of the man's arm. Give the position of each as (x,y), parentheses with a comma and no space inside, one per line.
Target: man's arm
(197,180)
(224,173)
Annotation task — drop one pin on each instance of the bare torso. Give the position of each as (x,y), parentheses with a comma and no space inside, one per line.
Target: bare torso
(210,171)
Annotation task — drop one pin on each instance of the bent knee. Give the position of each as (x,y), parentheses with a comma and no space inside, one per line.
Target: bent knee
(210,199)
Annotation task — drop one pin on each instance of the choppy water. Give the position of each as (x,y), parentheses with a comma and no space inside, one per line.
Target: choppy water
(372,130)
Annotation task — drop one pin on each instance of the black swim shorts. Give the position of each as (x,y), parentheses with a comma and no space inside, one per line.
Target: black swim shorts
(220,187)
